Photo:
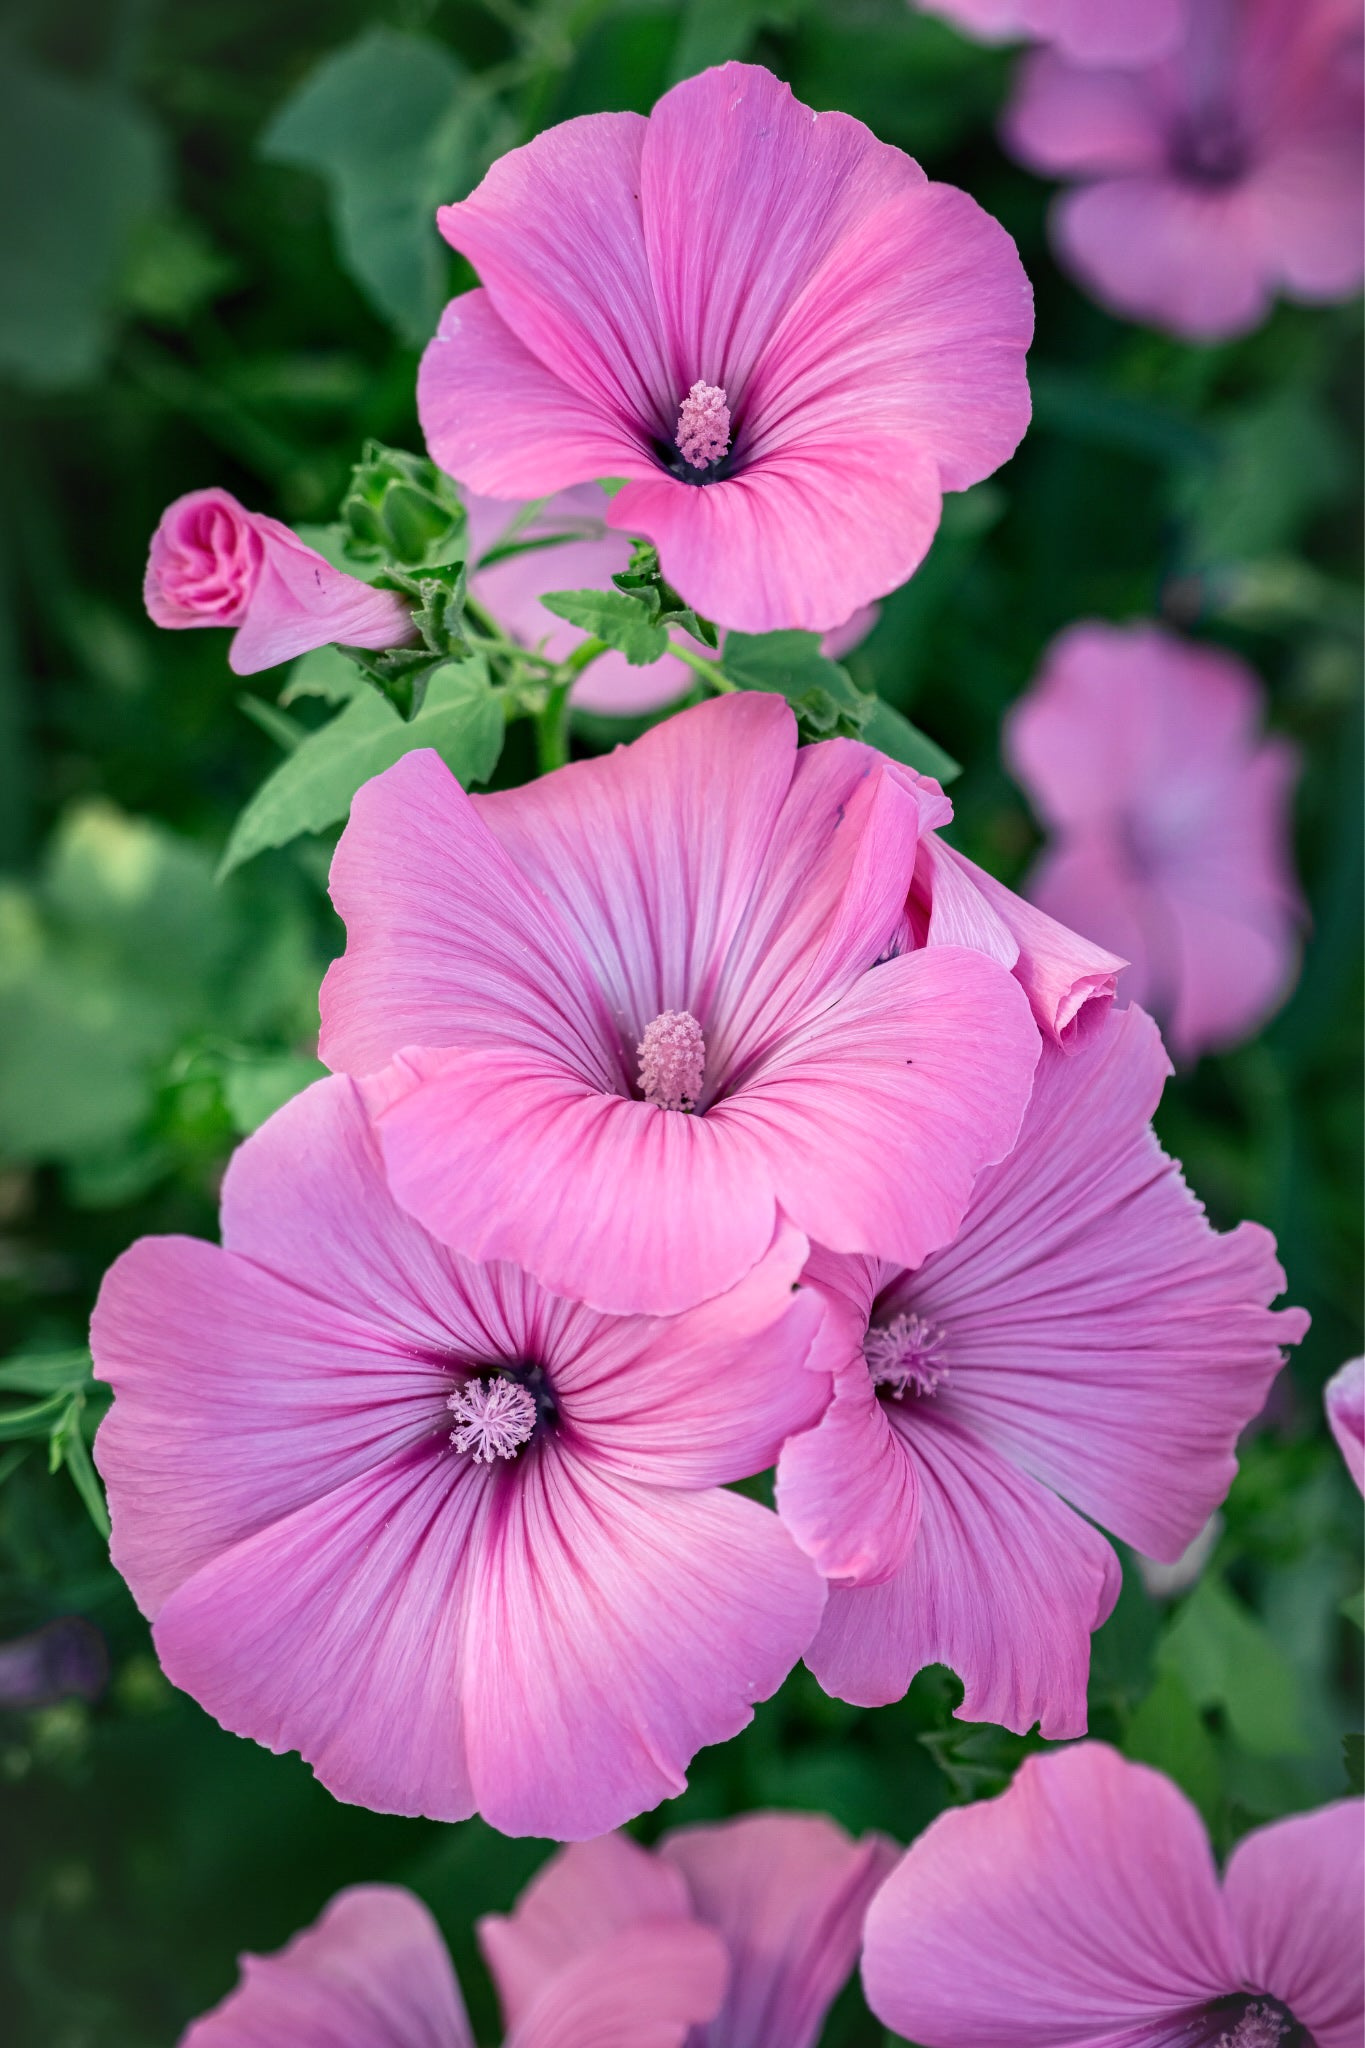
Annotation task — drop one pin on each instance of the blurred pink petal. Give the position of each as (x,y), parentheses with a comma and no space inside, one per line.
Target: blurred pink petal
(1085,1339)
(1169,820)
(510,956)
(1089,31)
(546,1636)
(1214,179)
(371,1972)
(213,563)
(647,1988)
(1082,1906)
(1344,1398)
(863,330)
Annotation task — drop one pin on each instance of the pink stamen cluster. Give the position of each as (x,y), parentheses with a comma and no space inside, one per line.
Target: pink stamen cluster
(672,1057)
(900,1355)
(1259,2027)
(703,434)
(496,1417)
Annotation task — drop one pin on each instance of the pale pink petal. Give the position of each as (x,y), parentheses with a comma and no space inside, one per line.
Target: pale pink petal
(645,1988)
(788,1893)
(1085,883)
(1175,256)
(847,1490)
(1295,1894)
(1004,1584)
(915,1080)
(203,562)
(1081,1902)
(1062,120)
(496,417)
(371,1972)
(585,1894)
(300,602)
(1309,212)
(593,1599)
(1344,1397)
(446,941)
(1090,31)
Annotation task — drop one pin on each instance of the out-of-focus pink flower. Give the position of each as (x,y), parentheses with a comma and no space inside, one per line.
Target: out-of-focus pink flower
(462,1543)
(785,339)
(785,1892)
(1168,815)
(213,563)
(1083,1905)
(372,1972)
(1344,1400)
(1215,178)
(592,554)
(1087,31)
(1087,1347)
(619,1023)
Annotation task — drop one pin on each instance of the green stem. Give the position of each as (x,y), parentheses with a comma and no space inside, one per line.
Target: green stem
(552,729)
(711,673)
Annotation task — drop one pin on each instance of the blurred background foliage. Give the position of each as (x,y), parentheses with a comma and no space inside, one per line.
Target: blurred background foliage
(219,265)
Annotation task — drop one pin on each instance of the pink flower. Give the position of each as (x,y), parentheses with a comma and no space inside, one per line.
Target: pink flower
(1215,178)
(1169,816)
(774,327)
(1087,31)
(785,1892)
(1087,1347)
(213,563)
(372,1972)
(1344,1400)
(513,587)
(1083,1906)
(619,1023)
(463,1544)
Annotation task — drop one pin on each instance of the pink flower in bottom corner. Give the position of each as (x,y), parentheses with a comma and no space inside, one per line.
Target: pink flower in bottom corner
(1086,1351)
(615,1024)
(1344,1400)
(1168,814)
(213,563)
(1205,184)
(463,1544)
(1083,1906)
(785,1892)
(1086,31)
(372,1972)
(587,559)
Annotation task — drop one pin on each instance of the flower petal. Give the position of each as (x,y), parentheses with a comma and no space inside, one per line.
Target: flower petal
(1083,1900)
(1067,120)
(299,601)
(1295,1895)
(1177,256)
(788,1893)
(645,1988)
(1344,1398)
(372,1972)
(847,1489)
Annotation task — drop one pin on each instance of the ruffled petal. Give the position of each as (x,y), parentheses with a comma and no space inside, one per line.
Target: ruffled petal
(788,1893)
(372,1972)
(645,1988)
(1004,1584)
(1080,1902)
(613,1630)
(299,601)
(847,1489)
(1295,1894)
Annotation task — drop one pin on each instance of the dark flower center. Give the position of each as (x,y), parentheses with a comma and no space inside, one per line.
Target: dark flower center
(1210,149)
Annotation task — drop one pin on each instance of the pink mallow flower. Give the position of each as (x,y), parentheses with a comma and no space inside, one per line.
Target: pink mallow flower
(213,563)
(1083,1906)
(1169,819)
(1087,31)
(785,339)
(372,1972)
(1205,183)
(1086,1351)
(618,1024)
(586,555)
(1344,1400)
(463,1544)
(785,1892)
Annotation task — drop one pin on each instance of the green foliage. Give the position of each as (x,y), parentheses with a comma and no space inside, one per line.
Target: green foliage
(613,618)
(62,1382)
(1223,1657)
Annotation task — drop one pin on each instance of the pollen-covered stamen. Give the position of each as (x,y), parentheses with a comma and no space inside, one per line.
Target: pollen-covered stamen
(900,1356)
(1259,2027)
(672,1057)
(496,1417)
(703,433)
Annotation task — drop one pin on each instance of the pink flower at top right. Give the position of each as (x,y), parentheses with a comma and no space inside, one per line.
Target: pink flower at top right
(1168,816)
(1206,182)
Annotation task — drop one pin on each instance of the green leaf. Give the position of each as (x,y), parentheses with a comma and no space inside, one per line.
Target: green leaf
(1225,1658)
(76,1458)
(1353,1757)
(277,725)
(621,621)
(312,788)
(70,152)
(790,665)
(255,1088)
(325,673)
(46,1372)
(890,730)
(396,127)
(713,31)
(1167,1731)
(34,1419)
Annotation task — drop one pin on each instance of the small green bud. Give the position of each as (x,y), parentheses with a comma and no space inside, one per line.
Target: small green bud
(402,510)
